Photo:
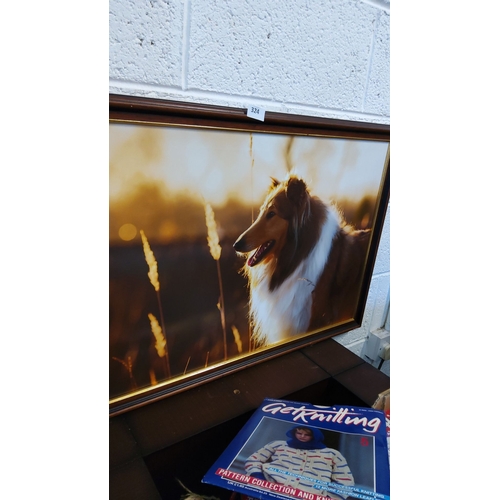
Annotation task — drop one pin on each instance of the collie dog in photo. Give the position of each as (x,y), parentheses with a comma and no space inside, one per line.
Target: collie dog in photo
(304,264)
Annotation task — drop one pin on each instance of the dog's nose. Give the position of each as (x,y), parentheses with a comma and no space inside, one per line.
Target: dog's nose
(238,244)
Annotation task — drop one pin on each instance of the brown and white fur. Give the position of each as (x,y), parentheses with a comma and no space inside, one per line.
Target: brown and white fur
(305,264)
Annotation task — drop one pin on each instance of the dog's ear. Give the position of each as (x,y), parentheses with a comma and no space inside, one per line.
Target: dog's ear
(296,191)
(274,183)
(298,195)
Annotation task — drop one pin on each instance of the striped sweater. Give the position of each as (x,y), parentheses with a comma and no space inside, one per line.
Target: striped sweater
(301,468)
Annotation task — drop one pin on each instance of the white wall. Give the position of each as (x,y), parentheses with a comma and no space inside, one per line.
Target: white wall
(313,57)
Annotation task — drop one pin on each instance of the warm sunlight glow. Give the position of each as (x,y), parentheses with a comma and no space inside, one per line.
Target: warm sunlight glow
(214,164)
(168,230)
(127,232)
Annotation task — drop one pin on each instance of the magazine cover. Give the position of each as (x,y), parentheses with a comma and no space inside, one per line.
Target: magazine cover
(290,450)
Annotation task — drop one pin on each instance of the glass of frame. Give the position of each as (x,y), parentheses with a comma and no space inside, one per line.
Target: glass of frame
(233,240)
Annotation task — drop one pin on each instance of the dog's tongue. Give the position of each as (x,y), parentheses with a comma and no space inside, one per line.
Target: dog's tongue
(257,256)
(254,258)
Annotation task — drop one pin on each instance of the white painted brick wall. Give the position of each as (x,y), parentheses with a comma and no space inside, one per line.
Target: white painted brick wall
(316,57)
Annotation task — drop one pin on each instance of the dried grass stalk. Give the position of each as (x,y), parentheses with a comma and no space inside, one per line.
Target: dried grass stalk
(153,277)
(187,364)
(152,377)
(151,261)
(215,251)
(128,366)
(161,341)
(237,339)
(213,237)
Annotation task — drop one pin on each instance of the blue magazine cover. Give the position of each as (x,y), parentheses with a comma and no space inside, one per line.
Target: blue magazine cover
(290,450)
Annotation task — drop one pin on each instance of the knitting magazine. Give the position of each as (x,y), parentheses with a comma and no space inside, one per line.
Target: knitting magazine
(290,450)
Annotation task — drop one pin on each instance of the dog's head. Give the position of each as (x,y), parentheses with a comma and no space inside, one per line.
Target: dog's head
(284,211)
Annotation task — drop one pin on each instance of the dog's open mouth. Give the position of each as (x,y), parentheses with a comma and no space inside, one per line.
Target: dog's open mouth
(260,253)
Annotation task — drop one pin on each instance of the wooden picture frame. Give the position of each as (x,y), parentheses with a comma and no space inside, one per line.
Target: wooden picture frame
(187,181)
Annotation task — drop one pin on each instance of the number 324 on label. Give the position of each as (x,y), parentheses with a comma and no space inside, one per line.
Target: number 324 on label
(255,112)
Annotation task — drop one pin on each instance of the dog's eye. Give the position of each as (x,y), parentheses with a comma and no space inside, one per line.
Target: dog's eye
(270,215)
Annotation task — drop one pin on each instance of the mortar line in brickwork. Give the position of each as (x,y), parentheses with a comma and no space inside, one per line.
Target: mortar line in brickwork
(176,93)
(370,61)
(186,33)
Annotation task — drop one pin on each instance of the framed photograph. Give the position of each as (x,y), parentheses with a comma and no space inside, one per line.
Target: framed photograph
(233,239)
